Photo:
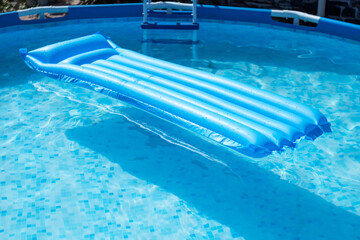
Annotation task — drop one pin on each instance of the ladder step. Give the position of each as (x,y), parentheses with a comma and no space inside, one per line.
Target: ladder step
(171,5)
(167,25)
(158,9)
(171,41)
(161,13)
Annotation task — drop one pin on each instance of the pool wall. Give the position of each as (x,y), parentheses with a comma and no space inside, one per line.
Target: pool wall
(221,13)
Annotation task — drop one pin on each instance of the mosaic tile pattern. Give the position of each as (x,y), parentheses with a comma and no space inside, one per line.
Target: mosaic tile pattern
(78,165)
(58,189)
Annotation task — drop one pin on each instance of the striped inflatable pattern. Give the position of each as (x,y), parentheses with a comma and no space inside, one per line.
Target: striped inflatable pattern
(250,120)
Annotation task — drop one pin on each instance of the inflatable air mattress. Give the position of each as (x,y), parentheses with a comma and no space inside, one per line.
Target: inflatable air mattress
(249,120)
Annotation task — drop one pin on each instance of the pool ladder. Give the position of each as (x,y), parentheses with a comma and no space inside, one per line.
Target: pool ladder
(148,40)
(159,9)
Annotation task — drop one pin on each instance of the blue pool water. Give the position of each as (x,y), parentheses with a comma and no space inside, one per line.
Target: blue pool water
(76,164)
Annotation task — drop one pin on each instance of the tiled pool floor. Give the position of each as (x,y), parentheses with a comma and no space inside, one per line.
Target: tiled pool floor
(78,165)
(84,171)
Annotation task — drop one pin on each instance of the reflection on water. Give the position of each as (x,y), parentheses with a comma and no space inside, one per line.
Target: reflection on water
(73,166)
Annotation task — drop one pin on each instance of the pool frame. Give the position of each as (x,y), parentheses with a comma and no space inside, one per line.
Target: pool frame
(205,12)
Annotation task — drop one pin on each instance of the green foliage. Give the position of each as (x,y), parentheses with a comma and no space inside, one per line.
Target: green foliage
(7,5)
(87,2)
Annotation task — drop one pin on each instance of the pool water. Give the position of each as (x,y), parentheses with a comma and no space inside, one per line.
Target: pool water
(76,164)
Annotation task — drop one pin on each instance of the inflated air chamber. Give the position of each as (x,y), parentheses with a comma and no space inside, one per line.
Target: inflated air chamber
(247,119)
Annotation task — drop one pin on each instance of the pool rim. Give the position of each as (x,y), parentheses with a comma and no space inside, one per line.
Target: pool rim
(210,13)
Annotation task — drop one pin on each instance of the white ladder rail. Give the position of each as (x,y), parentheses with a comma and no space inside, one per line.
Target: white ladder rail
(194,11)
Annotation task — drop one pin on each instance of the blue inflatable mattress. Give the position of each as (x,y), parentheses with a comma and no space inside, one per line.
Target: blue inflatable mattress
(249,120)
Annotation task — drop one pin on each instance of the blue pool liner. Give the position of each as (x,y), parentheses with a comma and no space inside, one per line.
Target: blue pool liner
(205,12)
(249,120)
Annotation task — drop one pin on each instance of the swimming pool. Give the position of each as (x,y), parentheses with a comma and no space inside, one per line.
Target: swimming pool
(77,164)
